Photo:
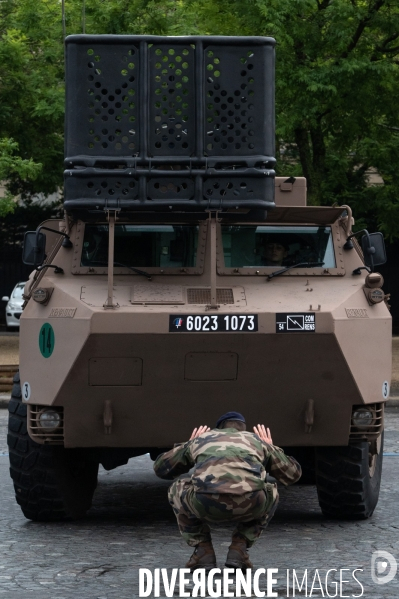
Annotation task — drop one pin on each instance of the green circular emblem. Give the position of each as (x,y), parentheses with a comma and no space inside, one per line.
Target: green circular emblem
(46,340)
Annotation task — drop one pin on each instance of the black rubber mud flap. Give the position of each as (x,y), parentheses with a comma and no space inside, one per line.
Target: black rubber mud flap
(51,483)
(348,485)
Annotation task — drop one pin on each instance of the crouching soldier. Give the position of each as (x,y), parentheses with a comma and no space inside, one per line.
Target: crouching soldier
(228,485)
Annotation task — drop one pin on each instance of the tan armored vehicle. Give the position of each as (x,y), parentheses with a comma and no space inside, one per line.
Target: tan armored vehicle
(186,281)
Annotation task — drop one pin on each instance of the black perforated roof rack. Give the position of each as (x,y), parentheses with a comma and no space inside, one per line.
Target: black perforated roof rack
(186,122)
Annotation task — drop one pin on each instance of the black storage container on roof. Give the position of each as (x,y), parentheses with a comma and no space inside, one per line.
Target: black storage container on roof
(130,189)
(199,104)
(152,97)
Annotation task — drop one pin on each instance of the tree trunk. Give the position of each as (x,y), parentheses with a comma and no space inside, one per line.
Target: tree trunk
(319,163)
(312,154)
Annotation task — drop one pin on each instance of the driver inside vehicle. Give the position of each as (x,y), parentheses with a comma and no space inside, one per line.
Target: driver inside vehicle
(95,246)
(274,251)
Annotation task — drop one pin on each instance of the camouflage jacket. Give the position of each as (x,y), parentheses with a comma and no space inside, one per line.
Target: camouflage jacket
(228,461)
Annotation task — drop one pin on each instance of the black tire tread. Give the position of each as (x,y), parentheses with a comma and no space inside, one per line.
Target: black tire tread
(32,468)
(344,486)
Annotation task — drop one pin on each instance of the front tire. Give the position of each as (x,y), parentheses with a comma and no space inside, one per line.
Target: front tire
(51,483)
(348,479)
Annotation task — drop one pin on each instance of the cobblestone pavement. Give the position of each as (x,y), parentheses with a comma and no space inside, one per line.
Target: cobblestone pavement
(131,526)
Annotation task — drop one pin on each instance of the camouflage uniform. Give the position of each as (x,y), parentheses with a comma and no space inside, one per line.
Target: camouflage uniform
(228,483)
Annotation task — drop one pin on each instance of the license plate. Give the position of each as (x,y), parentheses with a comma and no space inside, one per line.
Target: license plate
(214,323)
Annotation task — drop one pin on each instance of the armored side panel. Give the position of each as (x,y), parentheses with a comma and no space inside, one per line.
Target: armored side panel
(155,122)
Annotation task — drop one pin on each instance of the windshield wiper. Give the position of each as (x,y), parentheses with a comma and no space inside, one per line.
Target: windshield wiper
(280,272)
(136,270)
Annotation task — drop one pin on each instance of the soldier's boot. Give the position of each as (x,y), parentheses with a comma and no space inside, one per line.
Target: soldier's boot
(237,556)
(203,557)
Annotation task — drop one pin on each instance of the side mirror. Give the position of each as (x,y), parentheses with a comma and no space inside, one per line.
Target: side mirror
(373,247)
(5,298)
(34,248)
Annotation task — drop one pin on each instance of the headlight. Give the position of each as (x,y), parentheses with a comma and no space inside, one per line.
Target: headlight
(362,418)
(49,420)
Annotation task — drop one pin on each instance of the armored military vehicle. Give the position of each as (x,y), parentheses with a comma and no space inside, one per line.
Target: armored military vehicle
(186,280)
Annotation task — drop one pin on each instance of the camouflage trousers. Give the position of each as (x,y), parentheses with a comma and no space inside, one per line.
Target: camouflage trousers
(251,511)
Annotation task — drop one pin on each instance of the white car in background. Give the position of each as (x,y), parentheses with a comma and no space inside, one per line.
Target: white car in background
(14,305)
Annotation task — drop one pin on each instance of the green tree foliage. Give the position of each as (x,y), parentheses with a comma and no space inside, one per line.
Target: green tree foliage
(32,91)
(12,165)
(337,84)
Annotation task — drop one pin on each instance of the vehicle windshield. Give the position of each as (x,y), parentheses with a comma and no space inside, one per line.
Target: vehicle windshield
(18,291)
(142,246)
(247,246)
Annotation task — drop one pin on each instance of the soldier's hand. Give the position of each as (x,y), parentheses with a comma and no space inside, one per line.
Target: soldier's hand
(263,433)
(198,431)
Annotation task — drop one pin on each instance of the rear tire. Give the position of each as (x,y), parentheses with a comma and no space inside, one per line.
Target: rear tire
(51,483)
(348,480)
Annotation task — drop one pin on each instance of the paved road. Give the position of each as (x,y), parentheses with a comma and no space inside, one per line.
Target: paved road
(131,526)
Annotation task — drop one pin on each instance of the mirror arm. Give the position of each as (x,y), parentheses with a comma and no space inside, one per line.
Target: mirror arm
(57,269)
(370,250)
(348,244)
(357,271)
(67,243)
